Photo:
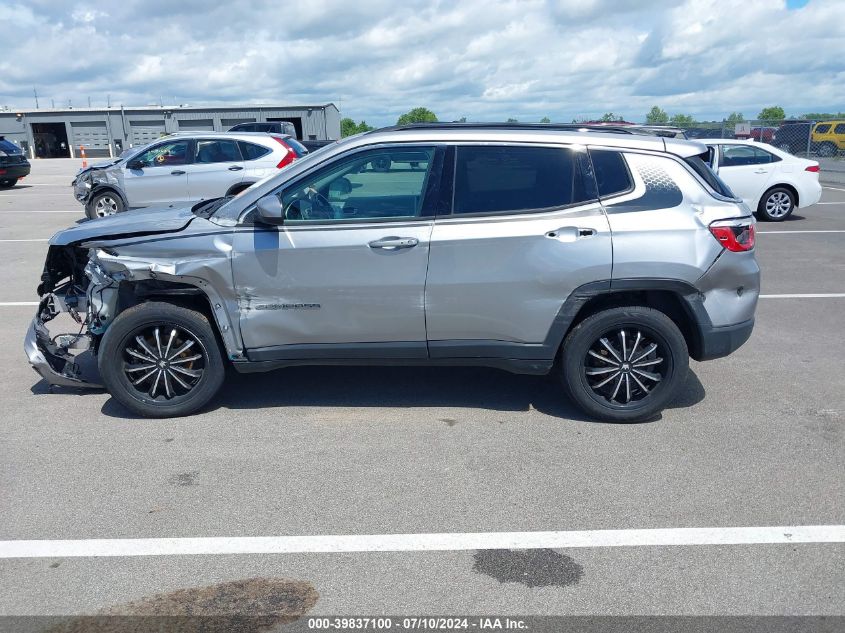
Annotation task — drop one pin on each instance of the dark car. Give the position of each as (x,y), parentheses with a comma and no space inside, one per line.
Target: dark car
(793,137)
(280,127)
(13,163)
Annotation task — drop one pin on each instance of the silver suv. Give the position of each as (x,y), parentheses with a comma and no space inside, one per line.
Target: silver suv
(183,169)
(607,259)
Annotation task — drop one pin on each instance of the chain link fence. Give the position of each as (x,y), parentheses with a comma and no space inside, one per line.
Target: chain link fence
(805,138)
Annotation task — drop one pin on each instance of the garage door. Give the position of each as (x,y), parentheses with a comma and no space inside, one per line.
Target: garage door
(93,136)
(144,132)
(192,125)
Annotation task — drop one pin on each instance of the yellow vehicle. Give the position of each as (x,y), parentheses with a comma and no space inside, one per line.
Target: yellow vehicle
(829,137)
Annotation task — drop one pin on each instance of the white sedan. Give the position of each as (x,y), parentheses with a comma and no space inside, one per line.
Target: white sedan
(770,181)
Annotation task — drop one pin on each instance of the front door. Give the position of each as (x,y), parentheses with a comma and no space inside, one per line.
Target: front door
(344,276)
(525,230)
(162,176)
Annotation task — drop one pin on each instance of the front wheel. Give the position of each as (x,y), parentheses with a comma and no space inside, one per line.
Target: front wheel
(104,204)
(161,360)
(624,364)
(776,205)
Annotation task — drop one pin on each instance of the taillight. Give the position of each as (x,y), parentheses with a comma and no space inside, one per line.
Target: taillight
(734,237)
(289,156)
(813,168)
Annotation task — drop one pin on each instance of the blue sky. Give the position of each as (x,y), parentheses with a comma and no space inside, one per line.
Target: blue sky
(482,59)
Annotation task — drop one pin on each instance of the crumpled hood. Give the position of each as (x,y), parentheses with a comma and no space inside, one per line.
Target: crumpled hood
(130,223)
(98,167)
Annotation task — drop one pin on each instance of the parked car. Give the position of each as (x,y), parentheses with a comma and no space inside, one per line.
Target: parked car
(182,169)
(763,134)
(793,137)
(770,181)
(829,137)
(13,164)
(606,258)
(280,127)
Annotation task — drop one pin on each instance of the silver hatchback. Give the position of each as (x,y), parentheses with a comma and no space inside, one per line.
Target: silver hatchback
(606,258)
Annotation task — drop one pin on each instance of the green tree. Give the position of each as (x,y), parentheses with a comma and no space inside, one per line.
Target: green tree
(417,115)
(609,117)
(821,116)
(772,113)
(545,119)
(682,120)
(348,127)
(735,117)
(656,116)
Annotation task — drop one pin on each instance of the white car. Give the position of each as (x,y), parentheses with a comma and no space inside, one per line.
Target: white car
(182,169)
(770,181)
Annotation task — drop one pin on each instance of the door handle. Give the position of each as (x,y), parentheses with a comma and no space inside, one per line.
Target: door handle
(761,171)
(392,243)
(235,168)
(177,172)
(570,233)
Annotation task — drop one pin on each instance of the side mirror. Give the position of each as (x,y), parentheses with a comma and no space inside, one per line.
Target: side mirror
(135,164)
(270,210)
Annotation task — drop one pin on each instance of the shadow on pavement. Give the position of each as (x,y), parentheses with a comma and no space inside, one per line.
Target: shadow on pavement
(480,388)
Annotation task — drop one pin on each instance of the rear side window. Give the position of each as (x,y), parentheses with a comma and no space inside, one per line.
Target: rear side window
(216,151)
(9,147)
(823,128)
(612,175)
(739,155)
(503,179)
(700,167)
(839,129)
(251,151)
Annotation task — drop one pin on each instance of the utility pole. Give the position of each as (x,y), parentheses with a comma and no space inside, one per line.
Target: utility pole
(108,101)
(89,102)
(35,92)
(53,103)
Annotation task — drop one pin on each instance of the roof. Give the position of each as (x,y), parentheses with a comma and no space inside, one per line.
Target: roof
(526,133)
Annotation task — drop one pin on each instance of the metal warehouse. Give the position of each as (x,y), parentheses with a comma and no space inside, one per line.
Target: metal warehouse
(60,133)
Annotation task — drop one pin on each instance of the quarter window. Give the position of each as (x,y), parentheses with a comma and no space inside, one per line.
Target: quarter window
(612,176)
(217,151)
(839,129)
(378,184)
(175,153)
(501,179)
(251,151)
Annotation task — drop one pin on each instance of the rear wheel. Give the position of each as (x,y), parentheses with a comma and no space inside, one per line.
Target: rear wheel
(104,204)
(776,205)
(161,360)
(5,184)
(624,364)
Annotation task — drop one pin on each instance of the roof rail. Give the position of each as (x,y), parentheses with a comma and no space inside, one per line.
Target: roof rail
(563,127)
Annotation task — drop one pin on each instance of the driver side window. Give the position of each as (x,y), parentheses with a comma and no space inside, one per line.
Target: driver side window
(386,183)
(175,153)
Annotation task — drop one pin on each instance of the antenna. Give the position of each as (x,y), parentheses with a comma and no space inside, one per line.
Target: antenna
(35,92)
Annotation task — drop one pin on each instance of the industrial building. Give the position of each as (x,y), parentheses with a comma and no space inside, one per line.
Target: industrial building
(103,132)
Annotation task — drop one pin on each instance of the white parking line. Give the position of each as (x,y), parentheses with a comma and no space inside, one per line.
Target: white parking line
(422,542)
(5,211)
(41,195)
(18,303)
(834,188)
(35,239)
(801,231)
(834,295)
(843,202)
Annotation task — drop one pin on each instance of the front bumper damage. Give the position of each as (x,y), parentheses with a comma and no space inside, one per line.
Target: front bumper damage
(52,362)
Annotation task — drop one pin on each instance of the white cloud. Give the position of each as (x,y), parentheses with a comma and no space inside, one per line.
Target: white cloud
(483,59)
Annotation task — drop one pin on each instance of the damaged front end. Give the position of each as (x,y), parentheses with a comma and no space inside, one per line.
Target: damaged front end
(78,301)
(92,179)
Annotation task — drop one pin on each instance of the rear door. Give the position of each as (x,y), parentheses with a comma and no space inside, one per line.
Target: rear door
(747,170)
(163,177)
(522,231)
(216,168)
(344,276)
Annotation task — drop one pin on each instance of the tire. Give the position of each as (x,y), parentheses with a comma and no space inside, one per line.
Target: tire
(776,205)
(7,184)
(827,149)
(647,382)
(184,383)
(104,204)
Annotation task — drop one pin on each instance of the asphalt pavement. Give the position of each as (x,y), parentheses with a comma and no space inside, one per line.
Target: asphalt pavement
(754,440)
